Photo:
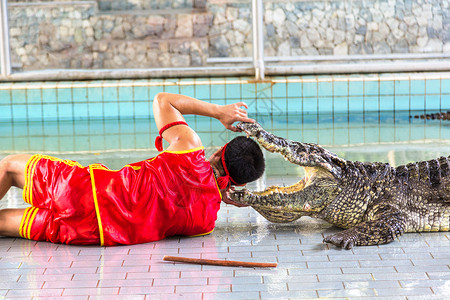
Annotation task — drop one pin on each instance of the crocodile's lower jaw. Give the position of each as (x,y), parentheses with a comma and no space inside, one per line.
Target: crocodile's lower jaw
(283,204)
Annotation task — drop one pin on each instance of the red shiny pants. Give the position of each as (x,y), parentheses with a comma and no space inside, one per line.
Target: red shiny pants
(62,206)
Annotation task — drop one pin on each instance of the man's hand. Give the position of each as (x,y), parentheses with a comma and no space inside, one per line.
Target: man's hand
(232,113)
(226,199)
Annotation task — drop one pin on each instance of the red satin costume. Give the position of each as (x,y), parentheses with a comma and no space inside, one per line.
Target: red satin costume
(174,193)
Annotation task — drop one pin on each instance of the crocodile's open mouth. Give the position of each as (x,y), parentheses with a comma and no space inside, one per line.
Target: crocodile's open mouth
(296,187)
(282,212)
(284,204)
(310,173)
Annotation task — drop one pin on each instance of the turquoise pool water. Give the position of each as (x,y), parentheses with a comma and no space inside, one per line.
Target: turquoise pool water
(363,117)
(115,115)
(99,135)
(124,99)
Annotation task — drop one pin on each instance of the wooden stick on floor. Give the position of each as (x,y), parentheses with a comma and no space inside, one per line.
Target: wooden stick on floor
(216,262)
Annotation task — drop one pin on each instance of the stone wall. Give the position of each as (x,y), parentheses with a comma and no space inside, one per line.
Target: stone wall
(357,27)
(92,34)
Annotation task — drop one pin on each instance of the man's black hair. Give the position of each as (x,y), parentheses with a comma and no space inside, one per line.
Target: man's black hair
(244,160)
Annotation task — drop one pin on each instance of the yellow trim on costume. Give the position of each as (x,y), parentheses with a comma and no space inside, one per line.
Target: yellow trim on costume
(25,186)
(217,186)
(99,167)
(102,167)
(136,168)
(97,210)
(23,221)
(30,169)
(183,151)
(70,163)
(27,222)
(201,234)
(30,222)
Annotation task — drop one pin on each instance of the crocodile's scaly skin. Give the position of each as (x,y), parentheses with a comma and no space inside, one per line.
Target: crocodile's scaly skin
(374,202)
(433,116)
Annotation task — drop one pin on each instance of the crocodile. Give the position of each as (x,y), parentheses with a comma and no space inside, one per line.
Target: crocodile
(433,116)
(373,201)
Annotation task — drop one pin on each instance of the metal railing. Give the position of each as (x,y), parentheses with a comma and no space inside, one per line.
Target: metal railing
(258,39)
(5,56)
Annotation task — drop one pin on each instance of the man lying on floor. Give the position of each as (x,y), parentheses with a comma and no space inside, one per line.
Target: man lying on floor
(178,192)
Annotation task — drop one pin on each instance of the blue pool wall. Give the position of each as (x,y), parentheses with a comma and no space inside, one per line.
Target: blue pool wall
(39,101)
(109,115)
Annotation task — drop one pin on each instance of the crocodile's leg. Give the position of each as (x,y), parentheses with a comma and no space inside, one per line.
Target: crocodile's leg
(303,154)
(383,226)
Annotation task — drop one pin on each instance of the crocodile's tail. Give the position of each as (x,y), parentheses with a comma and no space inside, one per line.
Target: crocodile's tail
(433,116)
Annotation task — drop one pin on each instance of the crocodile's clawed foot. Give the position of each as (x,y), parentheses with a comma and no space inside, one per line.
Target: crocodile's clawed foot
(344,239)
(251,129)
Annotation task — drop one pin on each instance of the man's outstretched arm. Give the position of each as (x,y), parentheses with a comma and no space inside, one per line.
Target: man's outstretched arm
(168,108)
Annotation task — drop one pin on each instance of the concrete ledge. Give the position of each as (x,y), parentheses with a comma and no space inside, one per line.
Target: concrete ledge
(297,69)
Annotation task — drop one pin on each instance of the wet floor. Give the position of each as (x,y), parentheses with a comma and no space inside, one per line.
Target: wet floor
(415,266)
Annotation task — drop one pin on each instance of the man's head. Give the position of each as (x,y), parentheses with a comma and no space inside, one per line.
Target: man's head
(244,160)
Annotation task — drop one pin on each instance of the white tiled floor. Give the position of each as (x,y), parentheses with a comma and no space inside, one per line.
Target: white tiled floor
(416,266)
